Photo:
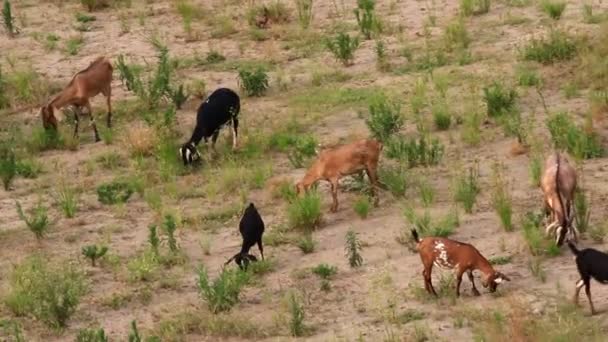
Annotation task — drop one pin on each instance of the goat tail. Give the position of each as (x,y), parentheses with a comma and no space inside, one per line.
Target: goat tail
(573,248)
(415,235)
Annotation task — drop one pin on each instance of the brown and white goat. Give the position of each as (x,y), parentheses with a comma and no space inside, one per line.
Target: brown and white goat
(559,184)
(87,83)
(462,257)
(335,163)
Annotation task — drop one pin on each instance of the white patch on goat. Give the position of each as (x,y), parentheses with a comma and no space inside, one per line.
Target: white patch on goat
(442,259)
(580,284)
(233,137)
(188,153)
(498,280)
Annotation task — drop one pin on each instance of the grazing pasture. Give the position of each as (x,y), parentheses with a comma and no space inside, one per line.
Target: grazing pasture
(126,238)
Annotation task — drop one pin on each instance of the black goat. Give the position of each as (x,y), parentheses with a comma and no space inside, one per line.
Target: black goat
(252,229)
(221,106)
(591,263)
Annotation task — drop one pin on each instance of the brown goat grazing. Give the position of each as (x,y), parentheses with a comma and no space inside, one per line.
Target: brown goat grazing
(462,257)
(95,79)
(335,163)
(559,184)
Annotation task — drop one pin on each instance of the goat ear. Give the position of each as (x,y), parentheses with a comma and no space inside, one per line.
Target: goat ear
(501,277)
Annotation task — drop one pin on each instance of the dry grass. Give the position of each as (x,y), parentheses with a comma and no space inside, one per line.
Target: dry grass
(140,139)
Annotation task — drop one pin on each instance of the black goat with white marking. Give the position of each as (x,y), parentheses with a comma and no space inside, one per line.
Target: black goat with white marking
(591,263)
(221,106)
(252,229)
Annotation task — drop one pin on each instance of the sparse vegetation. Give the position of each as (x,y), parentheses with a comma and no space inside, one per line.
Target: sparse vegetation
(94,252)
(304,212)
(582,210)
(353,249)
(222,293)
(384,119)
(8,20)
(553,8)
(499,99)
(306,244)
(362,206)
(49,293)
(92,335)
(466,188)
(425,226)
(474,7)
(343,47)
(114,192)
(501,197)
(559,46)
(253,81)
(582,143)
(38,221)
(366,17)
(297,314)
(305,12)
(67,199)
(424,151)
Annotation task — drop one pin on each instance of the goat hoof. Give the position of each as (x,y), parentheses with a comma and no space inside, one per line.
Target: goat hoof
(476,293)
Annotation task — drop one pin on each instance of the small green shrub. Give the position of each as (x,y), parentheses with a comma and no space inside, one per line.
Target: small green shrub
(306,244)
(456,35)
(557,47)
(384,119)
(305,13)
(466,189)
(474,7)
(214,57)
(51,293)
(84,18)
(38,222)
(426,227)
(114,192)
(427,192)
(499,99)
(590,17)
(366,17)
(554,9)
(343,47)
(67,199)
(304,212)
(471,130)
(582,210)
(143,267)
(223,293)
(394,178)
(325,271)
(91,335)
(8,166)
(353,249)
(189,12)
(362,206)
(582,143)
(528,77)
(534,236)
(441,116)
(8,20)
(501,198)
(94,252)
(170,226)
(73,45)
(598,232)
(424,151)
(156,87)
(297,314)
(253,81)
(382,59)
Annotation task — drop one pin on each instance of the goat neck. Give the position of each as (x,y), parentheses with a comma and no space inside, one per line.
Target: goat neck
(311,176)
(484,266)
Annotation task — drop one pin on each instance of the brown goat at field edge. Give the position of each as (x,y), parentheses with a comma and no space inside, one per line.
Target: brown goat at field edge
(451,254)
(335,163)
(87,83)
(558,184)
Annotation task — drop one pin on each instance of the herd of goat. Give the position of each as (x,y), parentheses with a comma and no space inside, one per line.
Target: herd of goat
(222,107)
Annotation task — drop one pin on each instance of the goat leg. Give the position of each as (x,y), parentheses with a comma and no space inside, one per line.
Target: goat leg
(76,121)
(551,227)
(458,281)
(579,286)
(334,194)
(588,293)
(261,248)
(472,279)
